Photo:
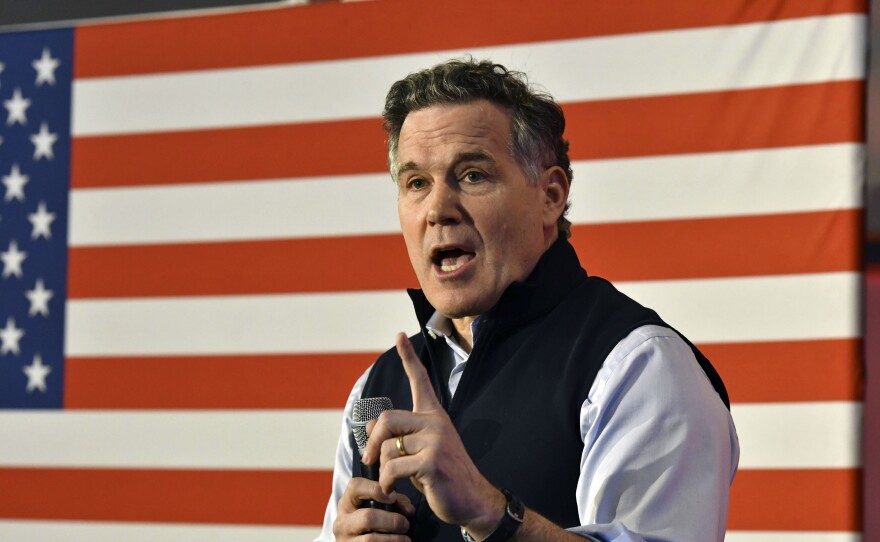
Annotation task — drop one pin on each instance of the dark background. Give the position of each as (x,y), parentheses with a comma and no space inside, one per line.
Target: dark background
(30,12)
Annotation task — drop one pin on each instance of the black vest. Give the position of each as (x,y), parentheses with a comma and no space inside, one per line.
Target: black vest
(517,406)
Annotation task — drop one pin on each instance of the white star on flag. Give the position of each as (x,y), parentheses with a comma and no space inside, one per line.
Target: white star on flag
(43,142)
(41,221)
(39,298)
(9,337)
(45,66)
(15,182)
(12,260)
(37,373)
(17,108)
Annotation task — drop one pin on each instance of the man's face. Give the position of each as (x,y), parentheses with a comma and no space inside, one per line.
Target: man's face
(472,222)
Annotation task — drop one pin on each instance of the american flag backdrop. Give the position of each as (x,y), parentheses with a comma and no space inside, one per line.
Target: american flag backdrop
(200,248)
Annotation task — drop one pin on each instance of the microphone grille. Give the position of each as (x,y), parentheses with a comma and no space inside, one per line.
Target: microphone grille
(364,410)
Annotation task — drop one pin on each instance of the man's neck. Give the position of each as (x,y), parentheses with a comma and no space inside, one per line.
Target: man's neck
(461,327)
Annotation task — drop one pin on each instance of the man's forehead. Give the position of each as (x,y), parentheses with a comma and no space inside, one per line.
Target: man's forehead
(468,130)
(478,110)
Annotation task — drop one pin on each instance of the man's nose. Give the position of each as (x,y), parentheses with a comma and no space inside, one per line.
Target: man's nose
(444,204)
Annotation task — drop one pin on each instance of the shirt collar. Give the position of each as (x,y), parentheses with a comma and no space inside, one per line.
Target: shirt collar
(441,326)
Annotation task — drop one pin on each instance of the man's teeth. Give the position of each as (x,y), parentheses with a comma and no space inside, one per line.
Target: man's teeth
(451,267)
(451,263)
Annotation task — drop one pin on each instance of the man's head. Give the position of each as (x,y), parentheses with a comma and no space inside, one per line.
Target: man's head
(476,213)
(537,121)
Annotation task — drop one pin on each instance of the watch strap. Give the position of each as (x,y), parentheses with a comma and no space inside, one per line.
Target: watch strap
(514,514)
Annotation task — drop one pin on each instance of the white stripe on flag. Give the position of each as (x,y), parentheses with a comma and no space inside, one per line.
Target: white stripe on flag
(710,185)
(787,307)
(355,322)
(306,439)
(234,439)
(84,531)
(797,179)
(769,308)
(282,209)
(799,435)
(693,60)
(87,531)
(791,536)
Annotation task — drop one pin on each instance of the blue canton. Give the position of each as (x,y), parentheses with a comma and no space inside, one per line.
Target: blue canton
(36,70)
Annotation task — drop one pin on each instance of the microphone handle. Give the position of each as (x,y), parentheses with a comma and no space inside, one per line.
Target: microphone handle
(371,472)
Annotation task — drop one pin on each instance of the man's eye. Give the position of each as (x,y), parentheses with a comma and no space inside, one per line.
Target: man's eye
(474,176)
(417,184)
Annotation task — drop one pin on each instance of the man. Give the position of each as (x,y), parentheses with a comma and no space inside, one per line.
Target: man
(597,419)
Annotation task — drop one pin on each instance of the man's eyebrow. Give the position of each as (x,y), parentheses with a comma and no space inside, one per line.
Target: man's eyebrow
(473,157)
(409,166)
(461,157)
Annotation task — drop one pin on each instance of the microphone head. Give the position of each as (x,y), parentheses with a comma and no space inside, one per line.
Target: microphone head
(364,410)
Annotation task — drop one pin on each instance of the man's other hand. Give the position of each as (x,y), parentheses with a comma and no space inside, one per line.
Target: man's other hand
(353,521)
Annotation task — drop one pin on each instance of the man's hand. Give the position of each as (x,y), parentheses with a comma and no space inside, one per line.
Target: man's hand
(354,521)
(435,459)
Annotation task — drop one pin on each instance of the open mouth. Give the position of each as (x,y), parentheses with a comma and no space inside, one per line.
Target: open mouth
(452,259)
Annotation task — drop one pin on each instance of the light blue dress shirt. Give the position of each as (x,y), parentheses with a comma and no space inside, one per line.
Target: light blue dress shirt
(660,448)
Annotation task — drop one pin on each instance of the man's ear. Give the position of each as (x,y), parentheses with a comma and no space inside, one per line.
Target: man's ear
(556,186)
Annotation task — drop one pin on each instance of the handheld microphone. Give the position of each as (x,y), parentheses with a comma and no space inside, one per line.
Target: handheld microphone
(366,409)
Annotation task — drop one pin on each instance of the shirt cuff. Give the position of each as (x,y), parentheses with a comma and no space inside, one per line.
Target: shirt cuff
(607,532)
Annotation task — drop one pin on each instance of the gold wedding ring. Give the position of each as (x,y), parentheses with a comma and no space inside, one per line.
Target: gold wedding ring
(401,449)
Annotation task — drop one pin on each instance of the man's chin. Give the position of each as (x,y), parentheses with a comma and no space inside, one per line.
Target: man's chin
(459,313)
(456,306)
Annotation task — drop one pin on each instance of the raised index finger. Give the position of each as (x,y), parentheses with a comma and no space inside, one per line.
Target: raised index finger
(424,398)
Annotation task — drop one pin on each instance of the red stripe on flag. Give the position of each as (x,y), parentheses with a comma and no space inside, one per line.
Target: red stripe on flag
(820,370)
(677,124)
(271,267)
(308,381)
(266,497)
(295,150)
(817,370)
(717,121)
(796,500)
(332,32)
(719,247)
(716,247)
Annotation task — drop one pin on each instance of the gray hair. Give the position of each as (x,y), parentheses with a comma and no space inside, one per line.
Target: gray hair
(537,121)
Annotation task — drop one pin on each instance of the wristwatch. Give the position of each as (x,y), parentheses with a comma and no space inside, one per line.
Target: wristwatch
(510,521)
